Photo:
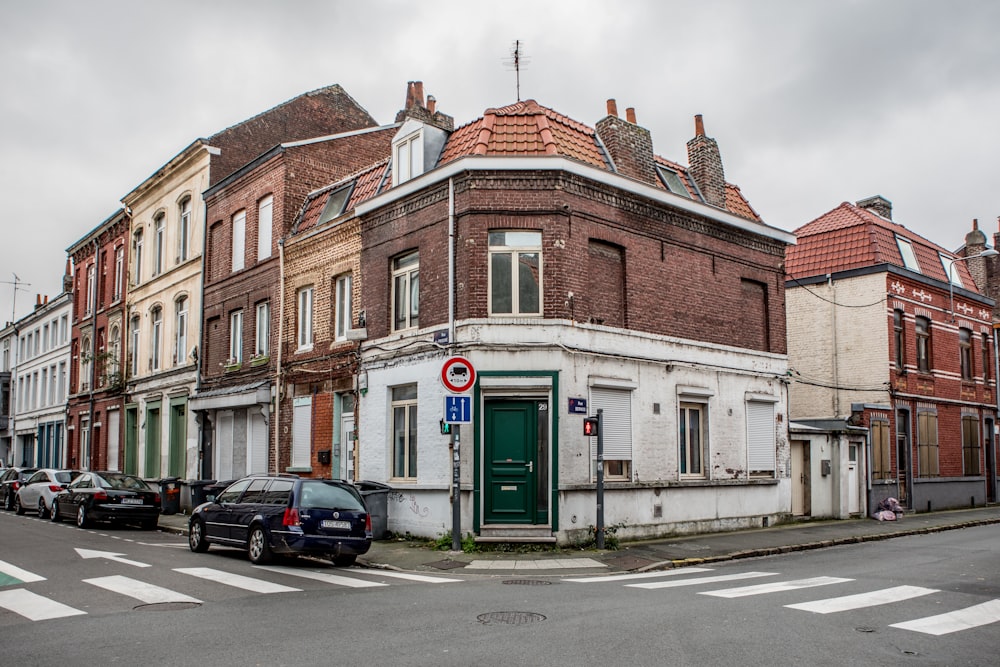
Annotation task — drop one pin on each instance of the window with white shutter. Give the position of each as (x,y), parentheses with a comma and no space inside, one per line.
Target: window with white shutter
(616,425)
(760,438)
(301,432)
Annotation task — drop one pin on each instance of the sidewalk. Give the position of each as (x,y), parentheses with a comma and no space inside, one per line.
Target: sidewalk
(657,554)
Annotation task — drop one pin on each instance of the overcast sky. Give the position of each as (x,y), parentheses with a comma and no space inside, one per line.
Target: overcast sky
(812,102)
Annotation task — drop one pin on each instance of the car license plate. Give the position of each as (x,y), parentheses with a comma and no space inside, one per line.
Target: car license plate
(330,523)
(131,501)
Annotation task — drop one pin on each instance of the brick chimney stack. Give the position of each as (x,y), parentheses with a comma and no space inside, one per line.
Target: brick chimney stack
(975,243)
(630,146)
(878,205)
(705,165)
(426,112)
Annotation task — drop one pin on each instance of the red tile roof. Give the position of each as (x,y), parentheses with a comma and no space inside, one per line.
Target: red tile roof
(368,182)
(850,237)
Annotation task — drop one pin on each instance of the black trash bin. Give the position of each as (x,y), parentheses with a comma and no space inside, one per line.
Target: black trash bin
(197,488)
(376,495)
(215,488)
(170,495)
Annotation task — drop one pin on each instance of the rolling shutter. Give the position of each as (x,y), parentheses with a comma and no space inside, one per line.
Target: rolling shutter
(760,436)
(616,422)
(301,432)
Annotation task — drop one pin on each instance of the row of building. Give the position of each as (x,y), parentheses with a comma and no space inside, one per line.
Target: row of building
(282,296)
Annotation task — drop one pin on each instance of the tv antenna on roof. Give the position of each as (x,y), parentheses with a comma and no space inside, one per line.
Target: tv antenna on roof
(516,59)
(17,283)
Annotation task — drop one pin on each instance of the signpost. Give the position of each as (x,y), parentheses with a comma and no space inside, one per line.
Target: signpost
(458,377)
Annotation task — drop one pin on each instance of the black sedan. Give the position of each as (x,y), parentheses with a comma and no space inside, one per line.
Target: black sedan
(108,496)
(10,481)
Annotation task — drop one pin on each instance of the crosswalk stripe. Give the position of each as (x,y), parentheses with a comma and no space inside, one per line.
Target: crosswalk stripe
(777,587)
(19,575)
(235,580)
(425,578)
(638,575)
(702,580)
(870,599)
(961,619)
(140,590)
(35,607)
(325,577)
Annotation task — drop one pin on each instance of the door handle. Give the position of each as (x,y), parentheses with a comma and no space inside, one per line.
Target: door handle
(530,465)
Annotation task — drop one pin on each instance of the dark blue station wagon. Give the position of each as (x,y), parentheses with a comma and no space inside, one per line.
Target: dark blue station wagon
(281,515)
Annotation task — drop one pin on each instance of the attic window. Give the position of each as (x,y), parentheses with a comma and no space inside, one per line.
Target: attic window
(673,181)
(336,203)
(407,162)
(906,251)
(951,271)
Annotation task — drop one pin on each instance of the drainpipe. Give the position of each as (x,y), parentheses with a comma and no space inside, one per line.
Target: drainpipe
(281,336)
(991,453)
(93,360)
(836,361)
(451,260)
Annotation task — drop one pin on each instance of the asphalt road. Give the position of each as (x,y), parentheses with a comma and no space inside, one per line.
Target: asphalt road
(124,596)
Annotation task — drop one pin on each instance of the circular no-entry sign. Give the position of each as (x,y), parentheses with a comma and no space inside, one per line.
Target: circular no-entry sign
(458,375)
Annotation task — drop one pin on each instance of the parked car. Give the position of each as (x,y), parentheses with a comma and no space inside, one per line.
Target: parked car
(108,496)
(10,482)
(285,515)
(38,490)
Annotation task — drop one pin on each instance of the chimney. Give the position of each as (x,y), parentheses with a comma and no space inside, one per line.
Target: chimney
(416,109)
(705,165)
(68,277)
(629,146)
(975,241)
(414,94)
(431,103)
(878,205)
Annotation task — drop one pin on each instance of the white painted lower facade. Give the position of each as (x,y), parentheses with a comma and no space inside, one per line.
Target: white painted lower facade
(548,363)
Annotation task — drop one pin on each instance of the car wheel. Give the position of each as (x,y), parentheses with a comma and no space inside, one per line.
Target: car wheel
(258,548)
(81,517)
(344,561)
(54,513)
(7,502)
(17,505)
(196,536)
(42,512)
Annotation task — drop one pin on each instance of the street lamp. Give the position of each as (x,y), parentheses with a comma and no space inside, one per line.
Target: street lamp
(988,252)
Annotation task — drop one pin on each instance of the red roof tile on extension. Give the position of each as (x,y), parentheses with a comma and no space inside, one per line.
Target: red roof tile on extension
(850,237)
(368,182)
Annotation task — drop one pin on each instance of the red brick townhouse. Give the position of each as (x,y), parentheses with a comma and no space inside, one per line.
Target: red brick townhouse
(96,397)
(888,331)
(249,213)
(575,270)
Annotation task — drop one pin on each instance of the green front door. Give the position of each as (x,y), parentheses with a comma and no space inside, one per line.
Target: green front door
(131,440)
(153,429)
(512,464)
(178,437)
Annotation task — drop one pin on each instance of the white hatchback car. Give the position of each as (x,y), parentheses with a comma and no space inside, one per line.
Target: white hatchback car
(38,490)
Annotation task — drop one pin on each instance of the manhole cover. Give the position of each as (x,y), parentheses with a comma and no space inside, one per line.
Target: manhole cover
(528,582)
(509,617)
(446,564)
(166,606)
(864,628)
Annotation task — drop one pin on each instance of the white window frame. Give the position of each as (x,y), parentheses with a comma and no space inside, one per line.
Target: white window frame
(404,411)
(616,423)
(265,222)
(262,344)
(342,313)
(180,330)
(693,398)
(184,230)
(239,240)
(159,246)
(119,271)
(137,243)
(85,361)
(304,318)
(91,289)
(906,252)
(761,436)
(406,291)
(156,337)
(236,337)
(301,433)
(407,158)
(516,243)
(951,271)
(134,332)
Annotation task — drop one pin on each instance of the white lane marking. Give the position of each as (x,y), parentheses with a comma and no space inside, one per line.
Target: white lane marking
(861,600)
(638,575)
(109,555)
(334,579)
(777,587)
(14,571)
(236,580)
(703,580)
(406,575)
(35,607)
(961,619)
(540,564)
(139,590)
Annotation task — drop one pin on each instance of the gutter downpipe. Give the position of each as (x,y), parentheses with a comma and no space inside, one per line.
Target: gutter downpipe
(277,369)
(836,358)
(93,360)
(456,441)
(991,453)
(451,260)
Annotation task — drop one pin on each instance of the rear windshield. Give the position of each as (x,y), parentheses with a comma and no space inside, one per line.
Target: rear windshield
(122,482)
(329,496)
(64,477)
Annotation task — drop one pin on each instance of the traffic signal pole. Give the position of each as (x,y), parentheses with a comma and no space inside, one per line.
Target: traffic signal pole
(456,489)
(600,478)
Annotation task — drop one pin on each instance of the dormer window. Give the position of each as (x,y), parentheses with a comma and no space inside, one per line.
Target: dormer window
(407,156)
(906,251)
(672,180)
(336,203)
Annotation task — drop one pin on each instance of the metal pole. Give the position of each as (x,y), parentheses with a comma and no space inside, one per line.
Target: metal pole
(456,489)
(600,478)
